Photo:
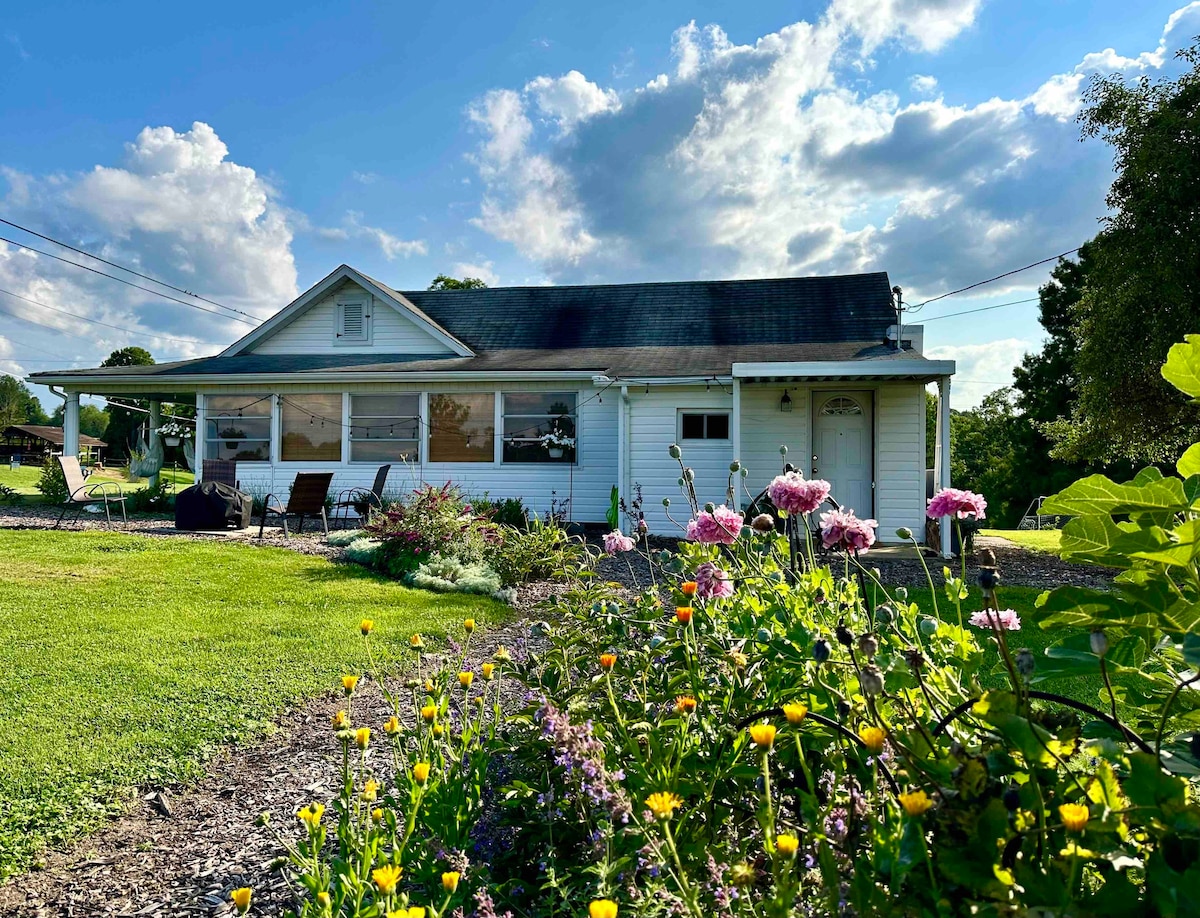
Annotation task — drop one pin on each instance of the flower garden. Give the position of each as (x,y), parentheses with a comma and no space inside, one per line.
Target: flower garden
(770,731)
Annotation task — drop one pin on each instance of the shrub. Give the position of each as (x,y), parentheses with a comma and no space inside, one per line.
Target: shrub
(509,511)
(51,482)
(363,551)
(150,500)
(8,495)
(449,575)
(430,521)
(342,538)
(537,553)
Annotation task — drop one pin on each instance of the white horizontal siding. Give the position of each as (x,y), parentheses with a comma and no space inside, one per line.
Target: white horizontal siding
(314,330)
(765,428)
(653,427)
(900,459)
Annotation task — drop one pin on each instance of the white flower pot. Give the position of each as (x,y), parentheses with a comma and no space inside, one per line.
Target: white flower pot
(171,441)
(555,452)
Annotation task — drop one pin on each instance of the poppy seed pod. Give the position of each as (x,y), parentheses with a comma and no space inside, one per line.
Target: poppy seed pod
(689,474)
(763,524)
(821,651)
(871,680)
(843,635)
(868,646)
(675,451)
(735,466)
(928,626)
(1025,662)
(1099,642)
(901,592)
(783,450)
(885,615)
(915,659)
(666,502)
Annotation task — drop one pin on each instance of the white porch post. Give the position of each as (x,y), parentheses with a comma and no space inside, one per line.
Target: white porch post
(71,424)
(735,434)
(155,422)
(943,455)
(623,447)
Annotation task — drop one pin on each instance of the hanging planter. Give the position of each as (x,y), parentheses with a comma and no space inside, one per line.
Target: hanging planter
(171,441)
(555,452)
(232,437)
(173,433)
(556,444)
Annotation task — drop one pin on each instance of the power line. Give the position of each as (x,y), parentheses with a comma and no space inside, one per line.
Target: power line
(967,312)
(120,267)
(996,278)
(121,280)
(86,319)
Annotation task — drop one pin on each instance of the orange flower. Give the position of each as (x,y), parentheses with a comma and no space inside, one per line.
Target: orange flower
(415,642)
(683,614)
(429,713)
(602,908)
(608,661)
(341,720)
(386,878)
(362,736)
(688,588)
(915,803)
(663,803)
(366,626)
(795,712)
(421,772)
(787,845)
(763,736)
(685,704)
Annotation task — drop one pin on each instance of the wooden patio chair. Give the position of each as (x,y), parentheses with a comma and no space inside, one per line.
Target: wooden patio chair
(80,494)
(352,498)
(307,498)
(223,471)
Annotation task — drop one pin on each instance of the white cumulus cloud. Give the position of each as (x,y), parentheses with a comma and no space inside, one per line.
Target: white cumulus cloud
(571,99)
(981,368)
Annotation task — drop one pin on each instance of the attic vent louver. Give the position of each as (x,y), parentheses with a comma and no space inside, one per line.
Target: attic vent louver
(352,322)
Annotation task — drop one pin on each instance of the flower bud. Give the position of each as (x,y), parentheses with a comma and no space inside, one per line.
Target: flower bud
(1025,662)
(763,524)
(1099,641)
(666,502)
(821,651)
(901,592)
(675,451)
(689,474)
(783,451)
(885,615)
(745,472)
(681,481)
(819,596)
(868,646)
(764,636)
(904,533)
(735,466)
(871,680)
(928,626)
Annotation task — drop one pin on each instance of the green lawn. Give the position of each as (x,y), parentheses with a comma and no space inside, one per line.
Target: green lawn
(127,659)
(24,479)
(1047,540)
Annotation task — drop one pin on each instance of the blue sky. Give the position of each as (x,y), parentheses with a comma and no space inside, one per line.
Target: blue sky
(244,150)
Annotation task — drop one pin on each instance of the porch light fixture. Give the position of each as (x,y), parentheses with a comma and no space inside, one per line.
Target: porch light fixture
(785,403)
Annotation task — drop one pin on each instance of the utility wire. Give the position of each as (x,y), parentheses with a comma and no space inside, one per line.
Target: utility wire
(996,278)
(121,280)
(86,319)
(120,267)
(967,312)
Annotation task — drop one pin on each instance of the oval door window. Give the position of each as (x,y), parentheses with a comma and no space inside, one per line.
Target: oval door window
(841,405)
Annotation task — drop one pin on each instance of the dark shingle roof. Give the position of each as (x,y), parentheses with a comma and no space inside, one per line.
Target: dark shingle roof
(792,310)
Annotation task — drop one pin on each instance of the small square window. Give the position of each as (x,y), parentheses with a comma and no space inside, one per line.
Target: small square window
(697,426)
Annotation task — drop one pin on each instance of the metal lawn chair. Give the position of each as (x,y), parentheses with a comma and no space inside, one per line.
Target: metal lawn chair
(309,492)
(352,498)
(80,494)
(223,471)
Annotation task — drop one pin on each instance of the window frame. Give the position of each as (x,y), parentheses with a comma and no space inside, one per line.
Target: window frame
(282,397)
(503,415)
(344,300)
(705,413)
(419,441)
(428,395)
(252,400)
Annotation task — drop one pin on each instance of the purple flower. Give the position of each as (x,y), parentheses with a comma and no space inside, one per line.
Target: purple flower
(721,526)
(616,541)
(955,502)
(582,755)
(794,494)
(712,582)
(842,529)
(1005,618)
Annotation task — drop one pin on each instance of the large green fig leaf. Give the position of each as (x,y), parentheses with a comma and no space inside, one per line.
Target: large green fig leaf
(1182,369)
(1098,494)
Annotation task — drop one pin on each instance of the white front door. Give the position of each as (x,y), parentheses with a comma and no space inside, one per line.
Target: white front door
(842,448)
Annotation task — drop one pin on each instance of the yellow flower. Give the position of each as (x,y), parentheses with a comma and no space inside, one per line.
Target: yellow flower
(763,736)
(663,803)
(787,845)
(872,738)
(683,614)
(421,772)
(377,815)
(602,908)
(915,802)
(311,815)
(608,661)
(685,704)
(478,700)
(349,683)
(386,878)
(489,670)
(428,713)
(362,736)
(324,900)
(502,655)
(438,729)
(451,877)
(469,624)
(415,642)
(370,789)
(688,588)
(391,726)
(366,626)
(795,712)
(241,899)
(429,686)
(341,720)
(416,911)
(466,678)
(738,659)
(1074,816)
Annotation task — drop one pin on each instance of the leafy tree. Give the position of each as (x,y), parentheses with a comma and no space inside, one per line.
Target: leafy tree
(1142,284)
(93,421)
(129,357)
(17,404)
(122,423)
(445,282)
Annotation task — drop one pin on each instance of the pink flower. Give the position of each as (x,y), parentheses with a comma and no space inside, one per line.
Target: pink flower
(955,502)
(842,529)
(615,542)
(794,494)
(721,526)
(1006,618)
(712,582)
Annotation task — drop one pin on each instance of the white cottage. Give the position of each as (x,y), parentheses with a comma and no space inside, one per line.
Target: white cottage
(465,386)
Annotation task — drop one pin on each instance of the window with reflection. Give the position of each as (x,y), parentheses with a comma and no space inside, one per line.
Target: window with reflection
(237,427)
(540,427)
(385,428)
(462,427)
(311,428)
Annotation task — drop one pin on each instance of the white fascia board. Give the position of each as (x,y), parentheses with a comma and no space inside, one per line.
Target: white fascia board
(186,383)
(322,287)
(857,368)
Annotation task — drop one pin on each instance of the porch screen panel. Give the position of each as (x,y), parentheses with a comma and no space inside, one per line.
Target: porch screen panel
(530,416)
(385,428)
(462,427)
(311,428)
(237,427)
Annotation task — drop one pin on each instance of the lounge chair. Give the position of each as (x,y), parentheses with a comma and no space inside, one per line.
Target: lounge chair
(223,471)
(352,498)
(80,494)
(307,498)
